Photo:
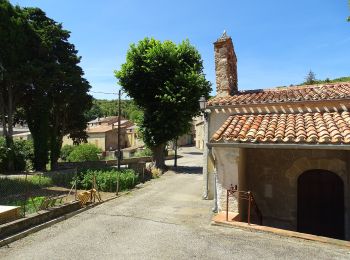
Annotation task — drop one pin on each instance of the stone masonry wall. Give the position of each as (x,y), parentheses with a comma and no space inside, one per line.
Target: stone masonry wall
(272,175)
(225,66)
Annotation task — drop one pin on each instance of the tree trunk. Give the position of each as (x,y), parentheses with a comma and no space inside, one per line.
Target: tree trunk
(158,156)
(3,118)
(55,149)
(38,124)
(9,131)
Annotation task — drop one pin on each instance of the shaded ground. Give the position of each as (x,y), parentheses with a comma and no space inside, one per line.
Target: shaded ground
(166,219)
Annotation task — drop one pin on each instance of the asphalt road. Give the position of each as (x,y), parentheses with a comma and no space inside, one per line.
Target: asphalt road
(165,219)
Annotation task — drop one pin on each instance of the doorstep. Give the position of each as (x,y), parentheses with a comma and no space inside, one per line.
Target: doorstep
(220,220)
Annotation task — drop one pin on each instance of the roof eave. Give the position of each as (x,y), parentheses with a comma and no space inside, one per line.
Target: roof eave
(259,104)
(281,146)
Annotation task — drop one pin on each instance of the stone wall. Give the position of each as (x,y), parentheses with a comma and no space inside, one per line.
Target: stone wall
(272,175)
(225,66)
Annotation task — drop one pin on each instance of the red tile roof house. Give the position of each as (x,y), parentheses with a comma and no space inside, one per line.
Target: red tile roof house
(289,146)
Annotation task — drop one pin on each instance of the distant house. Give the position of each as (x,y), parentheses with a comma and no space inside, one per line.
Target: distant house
(109,120)
(198,123)
(133,138)
(103,132)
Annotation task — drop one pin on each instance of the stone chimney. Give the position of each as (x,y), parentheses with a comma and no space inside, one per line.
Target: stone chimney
(225,67)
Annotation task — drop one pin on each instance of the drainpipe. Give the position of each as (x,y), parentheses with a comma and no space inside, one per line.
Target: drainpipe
(215,208)
(206,115)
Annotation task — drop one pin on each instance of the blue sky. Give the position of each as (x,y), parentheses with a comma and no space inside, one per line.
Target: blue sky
(276,42)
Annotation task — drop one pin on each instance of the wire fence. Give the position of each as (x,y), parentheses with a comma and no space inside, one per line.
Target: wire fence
(29,193)
(26,193)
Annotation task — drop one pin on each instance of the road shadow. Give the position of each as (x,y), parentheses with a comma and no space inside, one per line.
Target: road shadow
(194,153)
(187,169)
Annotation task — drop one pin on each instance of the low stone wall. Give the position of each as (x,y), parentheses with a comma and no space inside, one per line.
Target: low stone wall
(101,164)
(34,219)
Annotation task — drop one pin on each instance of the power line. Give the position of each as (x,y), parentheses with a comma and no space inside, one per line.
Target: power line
(100,92)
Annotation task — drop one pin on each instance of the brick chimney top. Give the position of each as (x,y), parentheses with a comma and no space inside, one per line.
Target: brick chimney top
(225,66)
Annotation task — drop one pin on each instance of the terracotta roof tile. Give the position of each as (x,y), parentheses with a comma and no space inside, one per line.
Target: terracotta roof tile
(328,128)
(283,95)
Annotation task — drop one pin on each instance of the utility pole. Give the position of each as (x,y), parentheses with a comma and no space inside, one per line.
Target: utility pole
(175,146)
(119,112)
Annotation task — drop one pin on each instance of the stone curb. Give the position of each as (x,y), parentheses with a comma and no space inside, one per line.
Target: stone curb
(37,228)
(282,232)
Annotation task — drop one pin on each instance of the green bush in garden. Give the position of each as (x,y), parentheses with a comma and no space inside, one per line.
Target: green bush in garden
(84,152)
(143,153)
(66,151)
(23,154)
(106,179)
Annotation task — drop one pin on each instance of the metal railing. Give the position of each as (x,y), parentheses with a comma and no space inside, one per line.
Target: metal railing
(244,195)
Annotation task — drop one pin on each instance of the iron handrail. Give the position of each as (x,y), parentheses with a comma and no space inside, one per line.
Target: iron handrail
(245,195)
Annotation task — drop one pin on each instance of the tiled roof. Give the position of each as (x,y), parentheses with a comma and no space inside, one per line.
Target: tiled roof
(287,94)
(333,128)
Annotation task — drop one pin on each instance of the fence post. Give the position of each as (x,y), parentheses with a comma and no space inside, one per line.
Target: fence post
(76,183)
(26,194)
(118,172)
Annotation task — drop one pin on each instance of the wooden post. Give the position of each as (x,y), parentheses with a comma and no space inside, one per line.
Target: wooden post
(76,183)
(117,183)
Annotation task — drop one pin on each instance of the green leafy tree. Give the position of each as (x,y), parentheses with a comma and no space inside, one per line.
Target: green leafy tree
(310,78)
(16,59)
(57,84)
(166,81)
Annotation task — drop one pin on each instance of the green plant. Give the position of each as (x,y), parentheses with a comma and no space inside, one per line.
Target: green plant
(106,179)
(66,151)
(84,152)
(144,152)
(23,155)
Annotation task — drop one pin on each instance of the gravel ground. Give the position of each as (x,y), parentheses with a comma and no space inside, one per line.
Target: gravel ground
(166,219)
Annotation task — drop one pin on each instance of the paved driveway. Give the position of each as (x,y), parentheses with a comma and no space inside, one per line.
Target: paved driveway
(166,219)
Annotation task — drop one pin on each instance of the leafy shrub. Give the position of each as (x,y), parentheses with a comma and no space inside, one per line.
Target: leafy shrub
(23,151)
(144,152)
(66,151)
(24,154)
(84,152)
(106,179)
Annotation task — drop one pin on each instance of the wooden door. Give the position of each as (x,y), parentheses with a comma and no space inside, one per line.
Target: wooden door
(321,204)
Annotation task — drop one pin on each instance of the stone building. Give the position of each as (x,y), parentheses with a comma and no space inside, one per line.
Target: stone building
(103,132)
(288,146)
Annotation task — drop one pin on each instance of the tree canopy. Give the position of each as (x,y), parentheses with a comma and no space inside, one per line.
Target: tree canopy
(166,81)
(40,80)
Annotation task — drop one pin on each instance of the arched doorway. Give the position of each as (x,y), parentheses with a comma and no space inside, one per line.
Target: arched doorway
(321,204)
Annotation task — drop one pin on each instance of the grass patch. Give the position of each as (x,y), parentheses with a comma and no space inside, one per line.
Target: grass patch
(12,186)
